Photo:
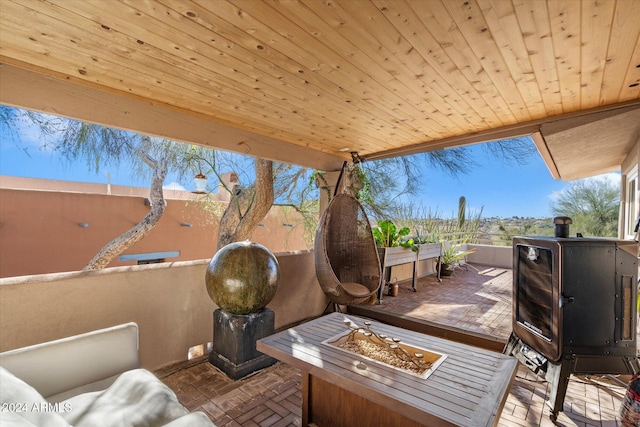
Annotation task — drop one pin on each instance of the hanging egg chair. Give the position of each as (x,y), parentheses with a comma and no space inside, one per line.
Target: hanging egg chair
(346,258)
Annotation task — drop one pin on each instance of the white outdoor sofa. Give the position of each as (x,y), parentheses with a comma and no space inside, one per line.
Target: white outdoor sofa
(91,379)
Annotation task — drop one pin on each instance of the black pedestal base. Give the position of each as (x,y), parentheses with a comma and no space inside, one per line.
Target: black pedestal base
(234,342)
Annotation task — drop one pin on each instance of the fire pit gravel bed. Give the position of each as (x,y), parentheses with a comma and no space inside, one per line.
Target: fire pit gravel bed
(381,354)
(389,351)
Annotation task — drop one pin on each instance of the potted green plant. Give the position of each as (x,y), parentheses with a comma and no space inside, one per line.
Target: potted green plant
(427,246)
(387,235)
(393,243)
(451,257)
(394,246)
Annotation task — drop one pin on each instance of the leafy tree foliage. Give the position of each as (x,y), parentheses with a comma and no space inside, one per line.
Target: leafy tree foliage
(593,205)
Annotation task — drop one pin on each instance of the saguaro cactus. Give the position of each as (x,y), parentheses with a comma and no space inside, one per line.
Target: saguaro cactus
(462,207)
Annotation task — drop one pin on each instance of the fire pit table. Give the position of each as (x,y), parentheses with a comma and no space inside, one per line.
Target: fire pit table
(467,386)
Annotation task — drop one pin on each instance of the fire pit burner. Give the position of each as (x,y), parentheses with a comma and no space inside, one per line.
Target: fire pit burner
(389,351)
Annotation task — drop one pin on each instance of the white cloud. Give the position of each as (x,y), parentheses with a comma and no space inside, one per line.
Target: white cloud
(174,186)
(553,196)
(27,136)
(612,177)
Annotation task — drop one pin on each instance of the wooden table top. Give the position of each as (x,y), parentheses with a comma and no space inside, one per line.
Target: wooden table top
(469,388)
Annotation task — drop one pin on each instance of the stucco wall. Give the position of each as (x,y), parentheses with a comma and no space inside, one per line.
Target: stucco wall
(169,302)
(40,230)
(496,256)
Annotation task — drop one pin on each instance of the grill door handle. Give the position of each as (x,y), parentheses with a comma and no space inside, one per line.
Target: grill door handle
(564,300)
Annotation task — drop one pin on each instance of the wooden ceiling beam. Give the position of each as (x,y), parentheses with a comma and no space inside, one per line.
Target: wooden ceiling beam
(512,131)
(34,91)
(545,153)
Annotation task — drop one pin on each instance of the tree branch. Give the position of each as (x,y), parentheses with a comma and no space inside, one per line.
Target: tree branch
(236,227)
(138,231)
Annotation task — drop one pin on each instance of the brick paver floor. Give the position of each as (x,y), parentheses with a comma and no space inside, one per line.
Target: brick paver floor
(475,300)
(271,397)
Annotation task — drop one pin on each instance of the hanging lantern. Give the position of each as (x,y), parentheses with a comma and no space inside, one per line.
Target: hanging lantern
(200,182)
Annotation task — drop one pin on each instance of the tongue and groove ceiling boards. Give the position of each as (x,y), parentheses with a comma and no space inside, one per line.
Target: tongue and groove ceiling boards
(311,81)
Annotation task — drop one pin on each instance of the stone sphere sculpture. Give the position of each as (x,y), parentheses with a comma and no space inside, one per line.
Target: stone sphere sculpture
(242,277)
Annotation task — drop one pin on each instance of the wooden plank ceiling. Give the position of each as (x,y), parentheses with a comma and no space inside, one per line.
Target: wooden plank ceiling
(379,77)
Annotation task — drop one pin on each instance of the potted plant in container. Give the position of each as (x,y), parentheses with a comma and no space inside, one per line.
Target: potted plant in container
(451,257)
(387,235)
(427,246)
(393,246)
(393,249)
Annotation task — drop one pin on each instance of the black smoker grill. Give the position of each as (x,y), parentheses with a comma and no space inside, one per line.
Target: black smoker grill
(574,309)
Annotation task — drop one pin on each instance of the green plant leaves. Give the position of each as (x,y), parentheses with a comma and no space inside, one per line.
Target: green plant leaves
(387,235)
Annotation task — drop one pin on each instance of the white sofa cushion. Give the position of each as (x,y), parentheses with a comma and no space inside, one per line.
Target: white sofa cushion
(90,379)
(68,366)
(136,398)
(22,405)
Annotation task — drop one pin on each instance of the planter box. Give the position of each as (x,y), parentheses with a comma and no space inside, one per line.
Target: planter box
(396,256)
(390,257)
(429,250)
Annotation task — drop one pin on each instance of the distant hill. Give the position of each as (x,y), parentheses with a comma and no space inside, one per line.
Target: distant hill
(500,231)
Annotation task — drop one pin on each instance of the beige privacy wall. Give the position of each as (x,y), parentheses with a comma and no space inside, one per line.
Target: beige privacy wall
(168,301)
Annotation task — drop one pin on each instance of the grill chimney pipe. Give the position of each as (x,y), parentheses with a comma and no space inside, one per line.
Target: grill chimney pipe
(562,226)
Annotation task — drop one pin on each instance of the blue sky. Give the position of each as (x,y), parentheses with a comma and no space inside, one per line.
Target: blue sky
(500,189)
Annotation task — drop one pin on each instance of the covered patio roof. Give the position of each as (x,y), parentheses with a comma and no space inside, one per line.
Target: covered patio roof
(309,82)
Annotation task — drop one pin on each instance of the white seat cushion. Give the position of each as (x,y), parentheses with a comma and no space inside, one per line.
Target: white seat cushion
(22,405)
(137,398)
(84,362)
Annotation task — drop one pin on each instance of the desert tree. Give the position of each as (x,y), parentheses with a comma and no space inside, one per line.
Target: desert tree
(100,146)
(593,204)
